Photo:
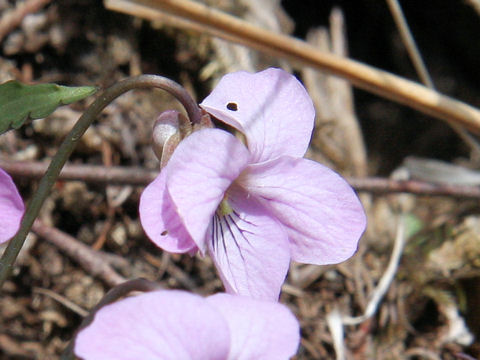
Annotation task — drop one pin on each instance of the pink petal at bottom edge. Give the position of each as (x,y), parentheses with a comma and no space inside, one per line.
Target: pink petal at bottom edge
(259,329)
(173,325)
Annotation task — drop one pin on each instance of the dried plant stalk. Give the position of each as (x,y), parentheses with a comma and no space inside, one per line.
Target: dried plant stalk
(337,134)
(475,4)
(382,83)
(422,70)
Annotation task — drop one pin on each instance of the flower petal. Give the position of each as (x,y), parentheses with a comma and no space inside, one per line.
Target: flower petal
(249,248)
(160,220)
(259,329)
(200,170)
(11,207)
(271,108)
(157,325)
(322,214)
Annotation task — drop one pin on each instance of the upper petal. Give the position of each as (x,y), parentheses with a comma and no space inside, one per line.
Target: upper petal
(200,170)
(173,325)
(322,214)
(258,329)
(249,248)
(11,207)
(160,220)
(272,108)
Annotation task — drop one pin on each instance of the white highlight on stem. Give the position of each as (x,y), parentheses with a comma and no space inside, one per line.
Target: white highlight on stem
(335,325)
(386,279)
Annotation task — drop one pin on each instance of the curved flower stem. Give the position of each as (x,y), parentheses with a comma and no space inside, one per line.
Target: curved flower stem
(111,296)
(68,145)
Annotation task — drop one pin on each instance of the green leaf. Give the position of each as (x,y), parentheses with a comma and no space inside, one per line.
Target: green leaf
(20,102)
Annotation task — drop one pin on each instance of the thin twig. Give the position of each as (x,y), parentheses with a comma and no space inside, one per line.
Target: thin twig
(378,185)
(91,261)
(89,173)
(421,352)
(10,21)
(421,69)
(141,177)
(386,280)
(410,43)
(382,83)
(62,300)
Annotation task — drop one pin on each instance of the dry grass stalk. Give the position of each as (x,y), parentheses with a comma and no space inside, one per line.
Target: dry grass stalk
(217,23)
(62,300)
(338,134)
(145,12)
(421,68)
(475,4)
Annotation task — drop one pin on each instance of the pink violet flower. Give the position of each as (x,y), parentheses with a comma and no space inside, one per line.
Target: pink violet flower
(253,208)
(11,207)
(177,325)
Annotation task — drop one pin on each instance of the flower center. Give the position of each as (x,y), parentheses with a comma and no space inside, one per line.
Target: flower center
(224,208)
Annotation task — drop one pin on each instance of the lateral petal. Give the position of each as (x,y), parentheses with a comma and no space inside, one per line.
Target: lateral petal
(322,214)
(157,325)
(11,207)
(249,248)
(258,329)
(272,109)
(159,218)
(199,172)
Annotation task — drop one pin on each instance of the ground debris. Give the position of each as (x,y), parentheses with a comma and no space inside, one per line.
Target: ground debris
(431,308)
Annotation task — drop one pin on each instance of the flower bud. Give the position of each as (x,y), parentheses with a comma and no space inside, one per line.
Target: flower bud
(169,129)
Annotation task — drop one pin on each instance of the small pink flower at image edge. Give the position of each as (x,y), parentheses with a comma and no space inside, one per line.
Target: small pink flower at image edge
(11,207)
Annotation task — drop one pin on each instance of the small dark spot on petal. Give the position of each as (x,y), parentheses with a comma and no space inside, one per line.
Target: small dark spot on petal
(232,106)
(164,232)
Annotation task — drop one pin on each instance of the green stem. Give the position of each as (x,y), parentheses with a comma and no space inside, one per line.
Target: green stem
(68,145)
